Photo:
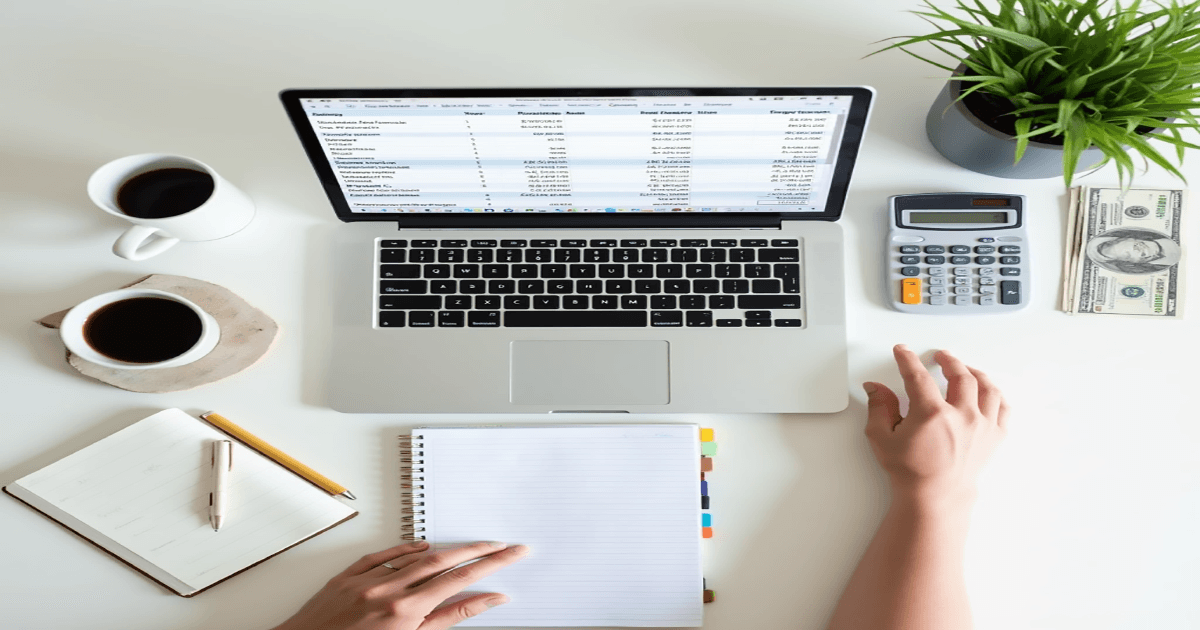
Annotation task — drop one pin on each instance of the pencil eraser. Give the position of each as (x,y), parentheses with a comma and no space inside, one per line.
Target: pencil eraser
(707,532)
(708,448)
(706,520)
(709,596)
(706,435)
(703,503)
(703,488)
(705,464)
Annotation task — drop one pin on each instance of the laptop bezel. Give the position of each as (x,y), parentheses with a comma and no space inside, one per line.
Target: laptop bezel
(851,141)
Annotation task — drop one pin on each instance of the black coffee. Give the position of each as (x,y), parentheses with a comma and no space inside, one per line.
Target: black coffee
(167,192)
(142,330)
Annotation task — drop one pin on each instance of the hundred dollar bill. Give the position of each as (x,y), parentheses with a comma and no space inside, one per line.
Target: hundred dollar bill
(1066,295)
(1128,252)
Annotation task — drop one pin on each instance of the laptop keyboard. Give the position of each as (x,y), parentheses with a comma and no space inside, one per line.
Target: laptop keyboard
(523,283)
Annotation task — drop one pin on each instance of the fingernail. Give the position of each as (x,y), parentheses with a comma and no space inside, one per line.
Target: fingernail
(869,388)
(497,544)
(520,550)
(901,346)
(496,601)
(421,544)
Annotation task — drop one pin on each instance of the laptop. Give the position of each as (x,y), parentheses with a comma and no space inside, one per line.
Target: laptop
(586,250)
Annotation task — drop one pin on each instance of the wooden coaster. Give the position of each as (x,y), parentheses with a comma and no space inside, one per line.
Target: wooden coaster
(246,335)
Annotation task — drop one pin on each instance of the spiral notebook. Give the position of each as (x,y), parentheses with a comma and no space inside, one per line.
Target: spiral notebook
(142,495)
(611,514)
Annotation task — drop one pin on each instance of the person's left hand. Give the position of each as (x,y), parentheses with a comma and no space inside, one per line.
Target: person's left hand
(407,596)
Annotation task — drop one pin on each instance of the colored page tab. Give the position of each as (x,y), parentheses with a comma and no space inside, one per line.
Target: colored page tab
(706,435)
(706,532)
(703,488)
(708,448)
(705,464)
(706,520)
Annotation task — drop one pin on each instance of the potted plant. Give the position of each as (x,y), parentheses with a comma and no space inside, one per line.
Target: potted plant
(1044,87)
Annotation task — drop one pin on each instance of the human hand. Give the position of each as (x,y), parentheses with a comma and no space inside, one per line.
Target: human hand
(369,596)
(936,451)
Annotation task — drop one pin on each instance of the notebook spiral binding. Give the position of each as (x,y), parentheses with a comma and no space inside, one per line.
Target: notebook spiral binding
(412,487)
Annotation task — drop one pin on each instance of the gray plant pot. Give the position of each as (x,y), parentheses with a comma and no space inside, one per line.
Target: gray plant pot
(970,143)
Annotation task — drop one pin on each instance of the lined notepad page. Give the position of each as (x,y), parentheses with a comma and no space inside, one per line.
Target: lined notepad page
(611,514)
(144,491)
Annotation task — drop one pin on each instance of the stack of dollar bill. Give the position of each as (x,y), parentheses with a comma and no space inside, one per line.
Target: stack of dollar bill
(1123,253)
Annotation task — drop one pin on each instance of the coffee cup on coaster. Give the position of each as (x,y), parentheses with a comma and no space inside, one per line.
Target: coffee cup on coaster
(139,329)
(168,198)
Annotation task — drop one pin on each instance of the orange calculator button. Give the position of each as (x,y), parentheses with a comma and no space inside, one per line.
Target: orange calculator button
(910,291)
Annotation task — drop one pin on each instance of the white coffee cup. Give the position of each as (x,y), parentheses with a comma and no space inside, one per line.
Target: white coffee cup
(226,211)
(74,323)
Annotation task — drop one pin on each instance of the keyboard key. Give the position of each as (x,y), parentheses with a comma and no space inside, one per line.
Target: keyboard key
(633,301)
(543,243)
(960,249)
(602,242)
(582,271)
(422,255)
(910,271)
(487,302)
(666,318)
(668,271)
(518,271)
(618,286)
(407,302)
(425,243)
(454,243)
(663,301)
(654,255)
(483,243)
(1010,271)
(391,319)
(729,323)
(437,271)
(751,302)
(703,319)
(984,260)
(663,242)
(483,319)
(741,255)
(759,323)
(934,249)
(443,286)
(501,271)
(910,260)
(392,255)
(402,286)
(765,286)
(960,260)
(717,302)
(694,242)
(574,302)
(393,243)
(789,275)
(698,271)
(779,255)
(545,301)
(637,242)
(531,286)
(934,260)
(560,286)
(1010,260)
(625,255)
(458,302)
(567,255)
(1010,249)
(754,242)
(575,242)
(640,271)
(574,319)
(712,255)
(758,314)
(648,286)
(512,243)
(909,249)
(508,255)
(784,242)
(502,286)
(400,271)
(472,286)
(724,242)
(554,271)
(735,286)
(692,302)
(728,271)
(706,286)
(450,319)
(684,255)
(537,255)
(450,256)
(790,323)
(984,249)
(612,271)
(479,255)
(421,319)
(589,286)
(1010,292)
(517,301)
(962,271)
(677,286)
(466,271)
(604,301)
(595,255)
(757,271)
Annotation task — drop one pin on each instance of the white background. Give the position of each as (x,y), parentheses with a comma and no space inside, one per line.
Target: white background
(1086,516)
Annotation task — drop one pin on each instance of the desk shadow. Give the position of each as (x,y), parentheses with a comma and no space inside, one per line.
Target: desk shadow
(23,309)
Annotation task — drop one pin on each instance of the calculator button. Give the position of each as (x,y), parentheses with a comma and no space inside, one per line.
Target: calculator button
(1010,249)
(937,290)
(987,300)
(987,271)
(937,300)
(989,290)
(962,300)
(1010,271)
(910,291)
(935,249)
(935,260)
(962,271)
(984,249)
(986,239)
(985,281)
(1010,292)
(909,249)
(960,249)
(910,260)
(910,271)
(937,281)
(960,260)
(937,271)
(962,290)
(962,281)
(1010,260)
(984,260)
(1010,239)
(908,239)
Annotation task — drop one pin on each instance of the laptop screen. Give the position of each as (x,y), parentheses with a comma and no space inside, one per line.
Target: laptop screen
(395,154)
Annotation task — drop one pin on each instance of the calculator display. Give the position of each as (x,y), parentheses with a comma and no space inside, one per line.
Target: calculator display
(957,217)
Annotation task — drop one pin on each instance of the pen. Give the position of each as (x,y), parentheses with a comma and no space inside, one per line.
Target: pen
(281,458)
(218,500)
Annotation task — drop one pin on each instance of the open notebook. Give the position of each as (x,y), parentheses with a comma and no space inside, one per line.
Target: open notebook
(611,514)
(142,495)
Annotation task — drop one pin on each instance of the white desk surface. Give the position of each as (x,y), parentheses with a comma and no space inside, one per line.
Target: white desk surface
(1086,515)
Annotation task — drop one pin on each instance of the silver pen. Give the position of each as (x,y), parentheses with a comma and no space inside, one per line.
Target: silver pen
(218,499)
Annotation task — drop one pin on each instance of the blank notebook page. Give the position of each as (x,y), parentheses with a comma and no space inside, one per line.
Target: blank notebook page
(611,514)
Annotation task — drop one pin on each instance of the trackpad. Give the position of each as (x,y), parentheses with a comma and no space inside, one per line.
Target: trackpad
(568,373)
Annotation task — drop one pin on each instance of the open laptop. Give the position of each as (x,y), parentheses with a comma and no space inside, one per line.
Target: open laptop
(586,250)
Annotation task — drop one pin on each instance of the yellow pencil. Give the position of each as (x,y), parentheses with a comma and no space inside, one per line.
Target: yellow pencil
(283,459)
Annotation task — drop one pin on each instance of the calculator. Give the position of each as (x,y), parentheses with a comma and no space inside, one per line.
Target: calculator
(957,253)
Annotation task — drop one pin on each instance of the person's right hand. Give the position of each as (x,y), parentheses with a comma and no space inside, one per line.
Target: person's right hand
(409,594)
(936,451)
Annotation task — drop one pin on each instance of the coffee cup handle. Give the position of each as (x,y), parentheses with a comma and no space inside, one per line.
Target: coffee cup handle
(133,245)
